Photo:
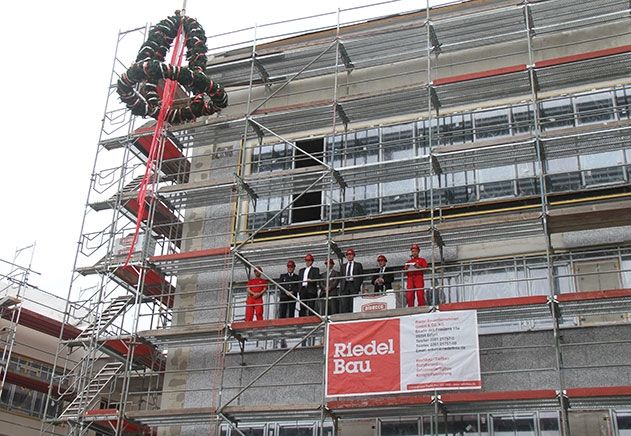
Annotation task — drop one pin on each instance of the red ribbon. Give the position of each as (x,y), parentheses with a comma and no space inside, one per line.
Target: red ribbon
(157,142)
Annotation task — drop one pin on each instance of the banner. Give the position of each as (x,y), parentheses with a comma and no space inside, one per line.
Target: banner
(411,353)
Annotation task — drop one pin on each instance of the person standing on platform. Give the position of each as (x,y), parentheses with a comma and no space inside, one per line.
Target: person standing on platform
(352,283)
(415,280)
(290,284)
(256,286)
(329,289)
(384,277)
(308,276)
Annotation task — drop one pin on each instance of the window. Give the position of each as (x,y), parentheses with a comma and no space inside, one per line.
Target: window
(466,425)
(549,423)
(623,102)
(523,119)
(557,114)
(455,129)
(489,124)
(295,430)
(398,195)
(514,425)
(602,168)
(272,158)
(399,428)
(362,147)
(623,421)
(397,142)
(594,108)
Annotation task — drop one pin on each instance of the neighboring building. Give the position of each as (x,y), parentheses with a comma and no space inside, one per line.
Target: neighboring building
(30,320)
(494,134)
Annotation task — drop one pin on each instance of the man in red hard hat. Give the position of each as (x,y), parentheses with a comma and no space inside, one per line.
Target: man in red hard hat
(384,277)
(352,278)
(308,278)
(290,286)
(256,286)
(415,285)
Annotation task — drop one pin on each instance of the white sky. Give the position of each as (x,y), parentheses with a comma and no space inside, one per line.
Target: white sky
(57,63)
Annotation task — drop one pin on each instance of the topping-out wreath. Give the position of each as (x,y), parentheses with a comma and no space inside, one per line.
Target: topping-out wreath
(149,68)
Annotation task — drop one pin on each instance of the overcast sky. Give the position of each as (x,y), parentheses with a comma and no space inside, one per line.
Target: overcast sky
(57,63)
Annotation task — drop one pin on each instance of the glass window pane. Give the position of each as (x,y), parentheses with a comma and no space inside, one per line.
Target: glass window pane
(397,142)
(623,419)
(601,160)
(623,102)
(295,430)
(523,119)
(406,428)
(514,426)
(493,123)
(562,165)
(594,108)
(556,114)
(549,423)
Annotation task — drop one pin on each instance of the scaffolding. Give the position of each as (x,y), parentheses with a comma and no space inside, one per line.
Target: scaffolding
(413,116)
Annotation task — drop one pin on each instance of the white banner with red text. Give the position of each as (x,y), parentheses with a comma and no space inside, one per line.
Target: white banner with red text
(424,352)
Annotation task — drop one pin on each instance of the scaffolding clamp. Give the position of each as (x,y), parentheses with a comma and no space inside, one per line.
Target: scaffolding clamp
(345,57)
(257,129)
(435,164)
(342,113)
(338,178)
(434,97)
(243,184)
(261,69)
(433,39)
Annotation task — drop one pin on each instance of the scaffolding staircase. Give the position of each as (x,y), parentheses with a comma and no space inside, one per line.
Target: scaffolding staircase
(90,394)
(116,308)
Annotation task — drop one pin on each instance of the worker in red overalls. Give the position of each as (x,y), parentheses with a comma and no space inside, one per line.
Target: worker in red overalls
(254,303)
(415,280)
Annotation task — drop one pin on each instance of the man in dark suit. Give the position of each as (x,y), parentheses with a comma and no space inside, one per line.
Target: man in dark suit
(308,279)
(352,278)
(329,289)
(384,277)
(290,283)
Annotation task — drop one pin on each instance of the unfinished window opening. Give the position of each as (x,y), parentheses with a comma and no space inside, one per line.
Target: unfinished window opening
(308,206)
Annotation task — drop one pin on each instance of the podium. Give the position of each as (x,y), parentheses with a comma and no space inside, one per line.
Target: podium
(374,302)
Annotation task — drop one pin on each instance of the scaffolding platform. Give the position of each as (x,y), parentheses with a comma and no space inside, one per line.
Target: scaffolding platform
(44,324)
(107,419)
(174,164)
(173,417)
(275,328)
(154,283)
(185,335)
(145,354)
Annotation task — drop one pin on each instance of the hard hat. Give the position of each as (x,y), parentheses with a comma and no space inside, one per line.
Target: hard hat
(350,251)
(415,247)
(291,263)
(309,257)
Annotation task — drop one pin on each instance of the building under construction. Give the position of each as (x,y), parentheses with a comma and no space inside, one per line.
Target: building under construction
(494,134)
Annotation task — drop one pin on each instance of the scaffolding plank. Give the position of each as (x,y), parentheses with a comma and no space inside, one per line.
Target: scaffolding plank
(480,75)
(606,391)
(144,354)
(583,56)
(496,303)
(593,295)
(44,324)
(508,396)
(590,216)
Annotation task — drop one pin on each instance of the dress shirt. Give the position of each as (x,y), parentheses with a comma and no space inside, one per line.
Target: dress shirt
(305,277)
